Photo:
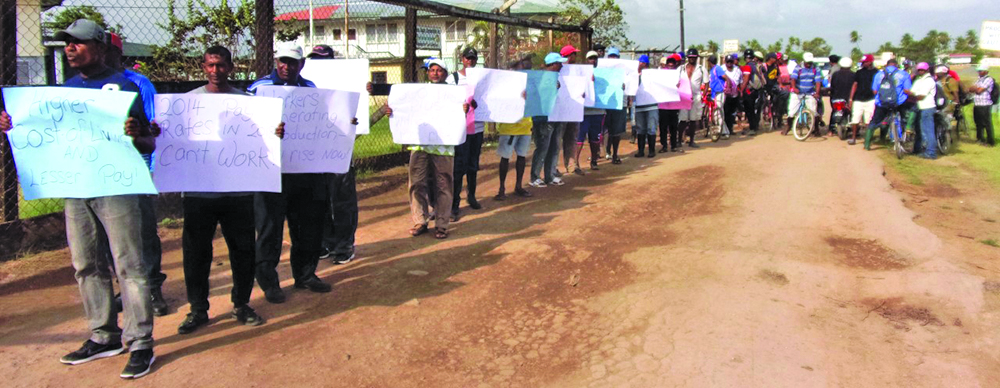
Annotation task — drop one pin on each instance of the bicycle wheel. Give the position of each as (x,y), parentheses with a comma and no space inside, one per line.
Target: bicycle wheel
(961,127)
(717,124)
(944,141)
(842,131)
(803,126)
(898,138)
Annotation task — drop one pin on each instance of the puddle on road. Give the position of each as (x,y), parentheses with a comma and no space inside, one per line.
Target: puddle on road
(866,254)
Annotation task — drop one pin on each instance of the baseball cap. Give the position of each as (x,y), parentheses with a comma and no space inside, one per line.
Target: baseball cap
(732,57)
(294,52)
(807,57)
(470,53)
(592,54)
(758,54)
(983,67)
(692,53)
(675,58)
(663,60)
(644,59)
(115,41)
(322,51)
(614,51)
(599,46)
(82,29)
(941,69)
(435,61)
(845,62)
(923,66)
(551,58)
(867,58)
(567,50)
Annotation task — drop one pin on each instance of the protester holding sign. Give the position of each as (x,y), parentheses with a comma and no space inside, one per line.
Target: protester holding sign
(615,120)
(303,200)
(114,219)
(570,129)
(646,119)
(593,118)
(689,118)
(670,135)
(467,154)
(514,138)
(547,138)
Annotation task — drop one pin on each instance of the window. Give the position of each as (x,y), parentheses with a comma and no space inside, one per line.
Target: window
(352,34)
(381,33)
(336,34)
(456,31)
(379,77)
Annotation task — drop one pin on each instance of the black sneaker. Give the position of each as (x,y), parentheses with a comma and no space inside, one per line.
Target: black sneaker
(246,316)
(160,307)
(315,285)
(91,351)
(343,258)
(139,364)
(274,295)
(192,322)
(326,253)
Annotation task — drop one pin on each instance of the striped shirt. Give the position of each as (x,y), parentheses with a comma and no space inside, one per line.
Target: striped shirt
(983,98)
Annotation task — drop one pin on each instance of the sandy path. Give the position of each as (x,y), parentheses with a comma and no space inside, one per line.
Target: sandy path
(746,263)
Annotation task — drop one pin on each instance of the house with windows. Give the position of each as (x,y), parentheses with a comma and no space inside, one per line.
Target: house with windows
(374,30)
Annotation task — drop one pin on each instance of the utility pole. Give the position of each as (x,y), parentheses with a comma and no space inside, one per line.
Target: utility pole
(346,35)
(682,24)
(312,29)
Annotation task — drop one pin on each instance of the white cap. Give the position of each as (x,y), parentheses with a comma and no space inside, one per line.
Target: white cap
(845,62)
(807,57)
(437,62)
(941,69)
(983,67)
(294,52)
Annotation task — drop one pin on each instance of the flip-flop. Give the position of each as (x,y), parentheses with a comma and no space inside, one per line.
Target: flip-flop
(440,233)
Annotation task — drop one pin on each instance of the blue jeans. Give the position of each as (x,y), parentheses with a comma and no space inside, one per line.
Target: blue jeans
(94,225)
(925,120)
(543,133)
(646,122)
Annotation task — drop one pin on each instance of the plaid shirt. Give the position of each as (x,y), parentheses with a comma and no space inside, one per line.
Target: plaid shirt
(983,99)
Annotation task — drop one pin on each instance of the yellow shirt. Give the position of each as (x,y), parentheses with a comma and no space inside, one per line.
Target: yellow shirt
(522,127)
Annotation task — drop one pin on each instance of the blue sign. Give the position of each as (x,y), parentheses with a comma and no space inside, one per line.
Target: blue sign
(608,83)
(540,94)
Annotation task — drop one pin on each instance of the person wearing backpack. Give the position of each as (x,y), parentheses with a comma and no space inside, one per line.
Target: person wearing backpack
(751,85)
(986,94)
(891,86)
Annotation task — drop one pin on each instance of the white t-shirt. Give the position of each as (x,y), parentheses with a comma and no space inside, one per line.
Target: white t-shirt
(463,80)
(925,86)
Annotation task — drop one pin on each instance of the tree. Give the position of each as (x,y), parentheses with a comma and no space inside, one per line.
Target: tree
(68,15)
(288,30)
(775,47)
(605,17)
(713,47)
(855,39)
(817,46)
(754,45)
(793,44)
(204,27)
(856,54)
(886,47)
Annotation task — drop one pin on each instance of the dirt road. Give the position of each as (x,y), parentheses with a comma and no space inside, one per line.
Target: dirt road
(762,262)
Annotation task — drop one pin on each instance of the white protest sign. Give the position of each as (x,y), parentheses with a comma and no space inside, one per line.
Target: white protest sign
(319,136)
(658,86)
(498,94)
(349,75)
(569,100)
(586,71)
(217,143)
(427,114)
(71,143)
(631,68)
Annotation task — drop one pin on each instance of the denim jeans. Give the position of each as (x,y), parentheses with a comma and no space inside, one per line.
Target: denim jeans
(542,134)
(152,252)
(342,221)
(304,200)
(646,122)
(555,145)
(925,121)
(93,226)
(201,216)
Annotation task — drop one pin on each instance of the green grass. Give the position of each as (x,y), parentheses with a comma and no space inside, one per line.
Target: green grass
(38,207)
(991,242)
(377,142)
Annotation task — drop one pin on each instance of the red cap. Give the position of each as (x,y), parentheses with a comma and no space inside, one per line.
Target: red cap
(117,41)
(868,58)
(567,50)
(674,57)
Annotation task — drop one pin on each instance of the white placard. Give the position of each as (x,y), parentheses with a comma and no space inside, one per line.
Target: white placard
(584,71)
(350,75)
(569,100)
(427,114)
(658,86)
(217,143)
(498,94)
(631,68)
(989,35)
(730,45)
(319,136)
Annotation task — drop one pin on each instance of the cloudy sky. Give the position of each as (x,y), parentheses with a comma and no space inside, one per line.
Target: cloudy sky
(655,23)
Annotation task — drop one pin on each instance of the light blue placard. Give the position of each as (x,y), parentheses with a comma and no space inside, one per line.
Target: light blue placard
(540,95)
(608,84)
(71,143)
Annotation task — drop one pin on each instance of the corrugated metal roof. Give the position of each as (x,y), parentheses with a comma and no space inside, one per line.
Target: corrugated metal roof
(374,10)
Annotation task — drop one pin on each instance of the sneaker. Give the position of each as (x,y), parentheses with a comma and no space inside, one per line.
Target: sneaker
(91,351)
(315,285)
(192,322)
(851,142)
(139,364)
(693,145)
(558,182)
(537,183)
(579,171)
(607,157)
(160,307)
(522,192)
(326,253)
(343,258)
(246,316)
(274,295)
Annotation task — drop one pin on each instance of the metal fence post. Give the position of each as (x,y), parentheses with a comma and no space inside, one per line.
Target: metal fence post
(8,76)
(263,36)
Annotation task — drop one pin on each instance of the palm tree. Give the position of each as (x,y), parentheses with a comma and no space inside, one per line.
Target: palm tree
(855,38)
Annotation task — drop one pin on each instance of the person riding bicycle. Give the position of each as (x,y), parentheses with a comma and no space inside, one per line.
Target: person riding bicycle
(887,101)
(751,86)
(731,75)
(806,82)
(717,81)
(772,74)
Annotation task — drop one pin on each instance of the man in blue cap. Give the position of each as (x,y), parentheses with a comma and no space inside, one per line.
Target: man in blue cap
(646,119)
(546,138)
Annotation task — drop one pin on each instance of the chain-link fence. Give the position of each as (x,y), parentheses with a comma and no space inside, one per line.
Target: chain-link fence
(164,39)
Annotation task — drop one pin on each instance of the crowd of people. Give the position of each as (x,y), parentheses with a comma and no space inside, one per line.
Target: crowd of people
(114,237)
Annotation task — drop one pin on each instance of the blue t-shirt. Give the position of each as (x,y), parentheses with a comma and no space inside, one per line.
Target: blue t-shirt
(903,82)
(806,79)
(717,80)
(147,92)
(111,79)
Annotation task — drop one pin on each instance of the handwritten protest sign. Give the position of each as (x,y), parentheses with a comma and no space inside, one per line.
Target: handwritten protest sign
(684,90)
(349,75)
(658,85)
(71,143)
(608,83)
(498,94)
(217,143)
(569,101)
(541,92)
(427,114)
(319,136)
(586,71)
(631,68)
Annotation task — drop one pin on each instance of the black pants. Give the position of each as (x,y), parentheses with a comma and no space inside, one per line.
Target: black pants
(984,124)
(152,253)
(304,201)
(751,109)
(342,221)
(729,109)
(669,128)
(467,164)
(201,215)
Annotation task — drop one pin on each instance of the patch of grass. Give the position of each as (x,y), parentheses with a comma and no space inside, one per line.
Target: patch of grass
(991,242)
(917,171)
(38,207)
(377,142)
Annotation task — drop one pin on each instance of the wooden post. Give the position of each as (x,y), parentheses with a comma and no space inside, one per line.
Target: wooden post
(494,57)
(263,36)
(410,49)
(8,76)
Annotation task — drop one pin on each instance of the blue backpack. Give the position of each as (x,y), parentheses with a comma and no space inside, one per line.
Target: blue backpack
(887,91)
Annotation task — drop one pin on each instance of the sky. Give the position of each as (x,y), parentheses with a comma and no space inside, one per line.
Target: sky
(656,23)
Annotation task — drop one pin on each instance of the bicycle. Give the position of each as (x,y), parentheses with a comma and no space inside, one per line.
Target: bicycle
(902,141)
(717,124)
(942,132)
(805,119)
(764,105)
(711,116)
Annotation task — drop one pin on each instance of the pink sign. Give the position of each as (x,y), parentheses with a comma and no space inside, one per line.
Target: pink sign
(684,90)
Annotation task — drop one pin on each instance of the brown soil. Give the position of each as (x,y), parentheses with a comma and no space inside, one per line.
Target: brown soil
(867,254)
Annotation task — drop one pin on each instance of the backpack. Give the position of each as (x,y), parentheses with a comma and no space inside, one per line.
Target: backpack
(887,91)
(756,77)
(994,92)
(940,98)
(455,74)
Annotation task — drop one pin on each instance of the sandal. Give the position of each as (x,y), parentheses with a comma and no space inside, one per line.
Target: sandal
(418,229)
(440,233)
